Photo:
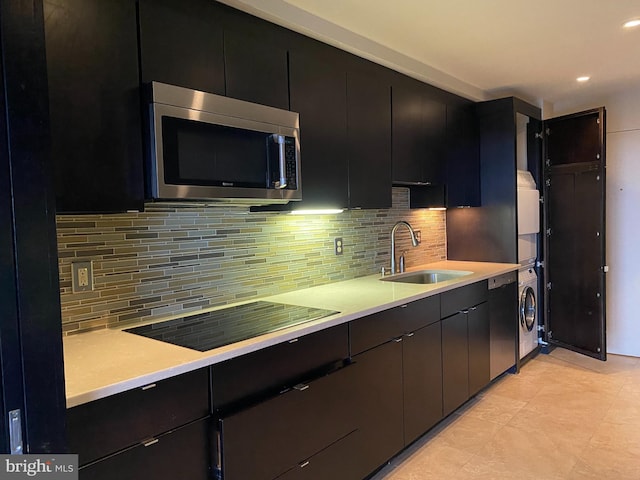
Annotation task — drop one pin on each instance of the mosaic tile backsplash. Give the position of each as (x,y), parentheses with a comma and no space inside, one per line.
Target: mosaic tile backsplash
(169,260)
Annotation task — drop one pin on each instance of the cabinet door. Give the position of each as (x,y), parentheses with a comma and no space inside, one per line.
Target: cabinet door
(463,156)
(369,138)
(434,117)
(334,462)
(418,124)
(376,329)
(105,426)
(422,381)
(379,407)
(183,453)
(408,147)
(272,437)
(255,56)
(181,44)
(270,370)
(479,348)
(94,105)
(455,362)
(319,94)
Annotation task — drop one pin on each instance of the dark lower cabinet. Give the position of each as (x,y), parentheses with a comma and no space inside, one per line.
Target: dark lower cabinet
(465,344)
(422,380)
(455,362)
(379,407)
(276,435)
(182,453)
(334,462)
(105,426)
(479,347)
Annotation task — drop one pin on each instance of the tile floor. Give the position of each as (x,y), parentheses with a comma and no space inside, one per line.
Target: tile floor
(565,416)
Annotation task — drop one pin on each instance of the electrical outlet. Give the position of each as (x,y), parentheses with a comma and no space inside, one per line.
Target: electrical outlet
(338,245)
(82,276)
(419,236)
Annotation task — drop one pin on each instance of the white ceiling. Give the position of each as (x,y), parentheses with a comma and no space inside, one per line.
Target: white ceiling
(480,48)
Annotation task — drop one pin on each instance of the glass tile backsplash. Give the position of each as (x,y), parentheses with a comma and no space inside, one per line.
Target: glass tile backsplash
(170,260)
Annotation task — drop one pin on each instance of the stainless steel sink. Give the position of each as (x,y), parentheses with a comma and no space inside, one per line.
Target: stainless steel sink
(426,277)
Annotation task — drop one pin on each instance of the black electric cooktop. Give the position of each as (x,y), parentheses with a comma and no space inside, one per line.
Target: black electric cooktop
(210,330)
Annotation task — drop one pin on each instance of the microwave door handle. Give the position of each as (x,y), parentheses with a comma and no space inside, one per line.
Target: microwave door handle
(279,139)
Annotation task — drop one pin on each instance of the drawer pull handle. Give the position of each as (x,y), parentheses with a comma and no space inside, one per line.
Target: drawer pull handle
(304,464)
(301,387)
(397,340)
(294,340)
(473,309)
(411,334)
(404,306)
(149,387)
(151,441)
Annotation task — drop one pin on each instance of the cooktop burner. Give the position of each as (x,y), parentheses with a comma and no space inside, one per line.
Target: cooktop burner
(210,330)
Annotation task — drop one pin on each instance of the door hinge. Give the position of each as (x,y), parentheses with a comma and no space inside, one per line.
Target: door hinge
(548,162)
(598,121)
(605,268)
(15,432)
(549,286)
(541,199)
(540,264)
(539,135)
(550,335)
(548,182)
(549,232)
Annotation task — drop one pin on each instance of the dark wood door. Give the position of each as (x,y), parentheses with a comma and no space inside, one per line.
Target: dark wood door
(479,347)
(422,380)
(379,407)
(181,44)
(369,137)
(319,94)
(31,366)
(455,362)
(94,105)
(575,232)
(256,56)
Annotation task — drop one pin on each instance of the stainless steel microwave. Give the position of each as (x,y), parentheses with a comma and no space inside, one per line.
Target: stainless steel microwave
(206,147)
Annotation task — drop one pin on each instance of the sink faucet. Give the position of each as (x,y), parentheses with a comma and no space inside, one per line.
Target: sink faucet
(414,242)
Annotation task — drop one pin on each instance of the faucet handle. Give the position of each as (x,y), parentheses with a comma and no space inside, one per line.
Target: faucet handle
(402,262)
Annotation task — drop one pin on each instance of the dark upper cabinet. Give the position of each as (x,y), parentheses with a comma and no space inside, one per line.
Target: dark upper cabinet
(181,43)
(256,60)
(318,90)
(419,122)
(368,135)
(94,105)
(462,156)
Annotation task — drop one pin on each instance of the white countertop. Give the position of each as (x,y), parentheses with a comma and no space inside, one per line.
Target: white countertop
(106,362)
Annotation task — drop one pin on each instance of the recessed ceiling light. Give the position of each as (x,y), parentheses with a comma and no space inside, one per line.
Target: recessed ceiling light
(583,79)
(632,23)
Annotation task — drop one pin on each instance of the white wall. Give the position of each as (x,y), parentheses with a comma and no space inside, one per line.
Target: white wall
(623,214)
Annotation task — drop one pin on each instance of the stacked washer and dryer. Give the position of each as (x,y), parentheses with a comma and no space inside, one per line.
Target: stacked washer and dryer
(528,229)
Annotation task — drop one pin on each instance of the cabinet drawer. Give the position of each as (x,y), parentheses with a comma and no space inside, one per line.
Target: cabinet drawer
(420,313)
(334,462)
(268,371)
(182,453)
(453,301)
(270,438)
(376,329)
(104,426)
